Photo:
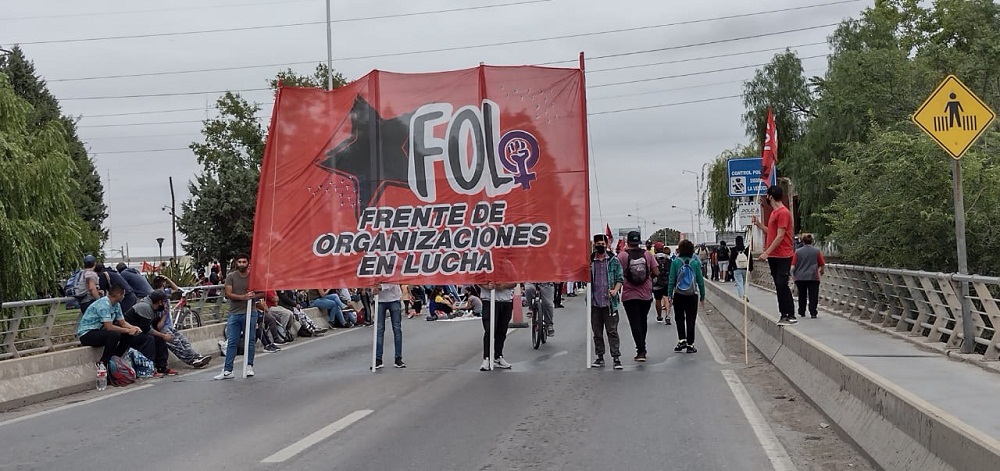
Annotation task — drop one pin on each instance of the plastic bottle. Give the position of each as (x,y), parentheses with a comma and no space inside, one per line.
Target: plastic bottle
(102,377)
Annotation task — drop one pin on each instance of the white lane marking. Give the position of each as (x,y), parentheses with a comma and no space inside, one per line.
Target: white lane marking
(559,354)
(76,404)
(772,447)
(711,344)
(316,437)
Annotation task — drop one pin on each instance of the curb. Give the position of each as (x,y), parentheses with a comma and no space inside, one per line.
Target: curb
(896,429)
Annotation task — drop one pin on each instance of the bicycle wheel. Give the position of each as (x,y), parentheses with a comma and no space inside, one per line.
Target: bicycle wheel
(537,331)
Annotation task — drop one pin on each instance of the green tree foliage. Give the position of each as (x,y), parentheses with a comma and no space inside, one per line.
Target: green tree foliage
(217,220)
(41,238)
(894,203)
(720,208)
(290,78)
(666,235)
(89,200)
(859,165)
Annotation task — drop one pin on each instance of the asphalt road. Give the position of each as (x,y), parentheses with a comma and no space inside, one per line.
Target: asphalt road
(315,405)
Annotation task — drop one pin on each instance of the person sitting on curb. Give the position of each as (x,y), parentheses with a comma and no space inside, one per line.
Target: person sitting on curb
(180,346)
(144,314)
(288,300)
(104,325)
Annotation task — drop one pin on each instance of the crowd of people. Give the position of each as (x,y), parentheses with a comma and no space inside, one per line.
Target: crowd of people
(121,310)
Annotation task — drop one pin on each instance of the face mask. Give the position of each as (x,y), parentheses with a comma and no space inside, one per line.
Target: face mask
(601,249)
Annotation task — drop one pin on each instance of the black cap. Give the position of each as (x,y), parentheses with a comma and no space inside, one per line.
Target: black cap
(157,295)
(600,238)
(634,238)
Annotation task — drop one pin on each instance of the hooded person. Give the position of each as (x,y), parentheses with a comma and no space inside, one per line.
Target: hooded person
(140,286)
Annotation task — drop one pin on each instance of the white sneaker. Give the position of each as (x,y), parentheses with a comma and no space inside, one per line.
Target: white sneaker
(225,375)
(249,371)
(485,366)
(501,363)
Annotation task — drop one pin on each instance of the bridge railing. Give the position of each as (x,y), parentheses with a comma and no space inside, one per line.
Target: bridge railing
(917,303)
(47,325)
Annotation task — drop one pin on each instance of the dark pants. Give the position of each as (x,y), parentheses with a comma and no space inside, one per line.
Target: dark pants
(557,298)
(780,273)
(505,309)
(686,313)
(603,320)
(127,302)
(161,353)
(808,289)
(117,343)
(637,311)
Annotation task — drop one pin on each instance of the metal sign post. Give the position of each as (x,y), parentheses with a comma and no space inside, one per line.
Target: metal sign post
(955,118)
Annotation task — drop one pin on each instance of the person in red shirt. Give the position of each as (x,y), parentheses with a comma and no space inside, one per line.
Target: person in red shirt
(778,251)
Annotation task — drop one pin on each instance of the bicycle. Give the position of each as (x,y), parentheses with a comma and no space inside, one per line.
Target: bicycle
(184,316)
(538,328)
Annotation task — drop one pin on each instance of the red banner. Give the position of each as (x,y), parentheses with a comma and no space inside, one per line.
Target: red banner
(459,177)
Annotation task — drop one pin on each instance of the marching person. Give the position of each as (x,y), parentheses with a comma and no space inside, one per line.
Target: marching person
(640,268)
(807,269)
(606,280)
(688,283)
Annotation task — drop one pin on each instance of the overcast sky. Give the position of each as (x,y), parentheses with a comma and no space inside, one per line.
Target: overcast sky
(637,155)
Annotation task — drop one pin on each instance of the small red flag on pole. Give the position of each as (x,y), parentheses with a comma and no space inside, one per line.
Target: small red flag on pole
(607,232)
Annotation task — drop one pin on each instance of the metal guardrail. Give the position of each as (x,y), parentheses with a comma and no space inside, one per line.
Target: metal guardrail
(46,325)
(918,303)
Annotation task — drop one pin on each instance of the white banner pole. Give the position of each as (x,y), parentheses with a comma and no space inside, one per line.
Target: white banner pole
(246,337)
(590,329)
(493,325)
(377,319)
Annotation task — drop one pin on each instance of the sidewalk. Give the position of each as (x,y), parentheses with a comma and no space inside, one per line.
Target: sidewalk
(965,391)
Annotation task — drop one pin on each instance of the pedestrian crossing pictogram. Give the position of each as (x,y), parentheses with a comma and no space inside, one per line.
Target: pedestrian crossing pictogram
(953,116)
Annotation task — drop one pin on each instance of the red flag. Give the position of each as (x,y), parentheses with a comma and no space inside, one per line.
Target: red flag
(147,267)
(607,233)
(769,151)
(621,246)
(445,178)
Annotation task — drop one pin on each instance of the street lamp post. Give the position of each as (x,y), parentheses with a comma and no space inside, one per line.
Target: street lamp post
(159,241)
(697,196)
(692,216)
(645,224)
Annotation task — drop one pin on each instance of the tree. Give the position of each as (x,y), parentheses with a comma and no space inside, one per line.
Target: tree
(290,78)
(720,207)
(666,235)
(217,220)
(45,109)
(894,205)
(41,238)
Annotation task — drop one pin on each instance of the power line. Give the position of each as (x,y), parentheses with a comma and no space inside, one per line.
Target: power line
(524,41)
(259,27)
(143,151)
(148,95)
(693,59)
(127,12)
(141,136)
(142,112)
(683,46)
(152,123)
(701,85)
(665,105)
(651,79)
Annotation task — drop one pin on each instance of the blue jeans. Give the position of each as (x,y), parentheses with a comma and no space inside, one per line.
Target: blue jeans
(234,330)
(334,308)
(395,313)
(740,275)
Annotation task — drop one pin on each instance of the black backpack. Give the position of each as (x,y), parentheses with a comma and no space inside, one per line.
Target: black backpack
(723,254)
(663,278)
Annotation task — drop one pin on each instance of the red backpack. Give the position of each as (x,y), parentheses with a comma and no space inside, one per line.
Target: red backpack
(120,373)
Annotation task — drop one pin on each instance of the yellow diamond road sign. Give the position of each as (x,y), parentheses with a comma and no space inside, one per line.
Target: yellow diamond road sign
(954,116)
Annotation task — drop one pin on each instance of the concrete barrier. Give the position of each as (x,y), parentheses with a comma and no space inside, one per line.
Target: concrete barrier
(896,429)
(42,377)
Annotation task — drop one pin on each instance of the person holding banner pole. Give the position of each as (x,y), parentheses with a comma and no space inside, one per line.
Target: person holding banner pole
(389,298)
(606,280)
(501,303)
(240,318)
(778,252)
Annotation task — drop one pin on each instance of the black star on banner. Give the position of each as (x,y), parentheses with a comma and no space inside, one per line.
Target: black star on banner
(374,155)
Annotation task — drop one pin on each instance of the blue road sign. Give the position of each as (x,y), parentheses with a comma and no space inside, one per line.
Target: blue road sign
(744,177)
